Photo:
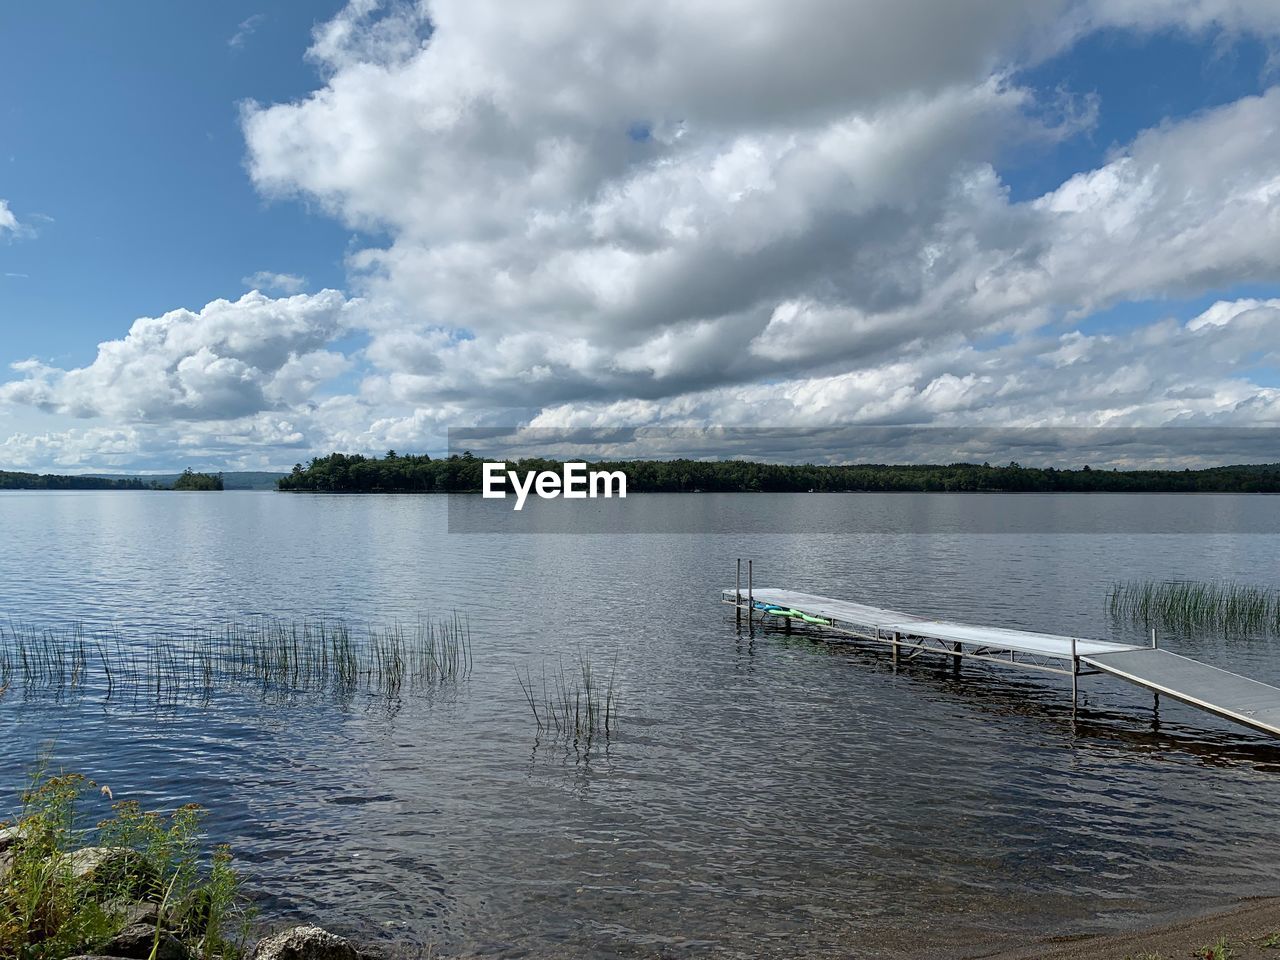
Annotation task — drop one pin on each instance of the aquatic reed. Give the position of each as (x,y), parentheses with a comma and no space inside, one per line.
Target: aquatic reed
(265,654)
(1197,606)
(574,700)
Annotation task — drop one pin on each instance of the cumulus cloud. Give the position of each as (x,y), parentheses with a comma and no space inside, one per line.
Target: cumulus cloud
(645,200)
(725,212)
(1192,373)
(231,359)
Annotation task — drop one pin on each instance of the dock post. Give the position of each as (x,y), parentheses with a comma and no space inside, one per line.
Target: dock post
(895,646)
(737,596)
(751,597)
(955,663)
(1075,671)
(1155,645)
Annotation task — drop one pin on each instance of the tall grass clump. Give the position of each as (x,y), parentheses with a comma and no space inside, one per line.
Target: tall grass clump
(69,889)
(1197,606)
(573,700)
(264,654)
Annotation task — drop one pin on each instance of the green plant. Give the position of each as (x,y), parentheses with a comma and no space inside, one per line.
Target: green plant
(1219,950)
(68,889)
(1272,942)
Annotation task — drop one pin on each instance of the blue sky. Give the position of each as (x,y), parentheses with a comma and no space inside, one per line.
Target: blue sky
(121,124)
(422,182)
(1140,80)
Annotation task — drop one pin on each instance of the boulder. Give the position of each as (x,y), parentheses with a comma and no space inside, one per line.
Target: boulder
(129,912)
(305,943)
(110,867)
(148,913)
(135,942)
(9,836)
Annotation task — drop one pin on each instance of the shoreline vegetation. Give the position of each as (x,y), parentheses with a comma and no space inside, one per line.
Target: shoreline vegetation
(462,473)
(395,473)
(136,885)
(187,480)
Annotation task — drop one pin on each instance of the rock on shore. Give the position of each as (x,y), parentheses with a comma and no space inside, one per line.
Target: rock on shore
(305,943)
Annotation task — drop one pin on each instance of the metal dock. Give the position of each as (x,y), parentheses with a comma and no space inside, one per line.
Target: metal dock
(1220,692)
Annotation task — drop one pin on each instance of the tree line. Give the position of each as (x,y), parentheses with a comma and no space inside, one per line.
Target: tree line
(10,480)
(461,473)
(188,480)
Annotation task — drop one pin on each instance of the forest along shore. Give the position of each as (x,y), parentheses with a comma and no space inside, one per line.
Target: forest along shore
(464,473)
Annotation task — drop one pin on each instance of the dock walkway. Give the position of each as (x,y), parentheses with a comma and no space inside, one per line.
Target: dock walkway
(1217,691)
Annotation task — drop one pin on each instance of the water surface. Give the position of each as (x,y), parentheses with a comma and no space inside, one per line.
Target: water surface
(762,794)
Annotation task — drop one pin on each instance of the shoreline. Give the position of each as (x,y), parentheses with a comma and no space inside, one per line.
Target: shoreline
(1245,925)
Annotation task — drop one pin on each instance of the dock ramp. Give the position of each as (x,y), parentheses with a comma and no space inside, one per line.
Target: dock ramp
(1249,702)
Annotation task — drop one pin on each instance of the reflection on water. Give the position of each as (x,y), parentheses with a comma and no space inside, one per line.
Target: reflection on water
(763,794)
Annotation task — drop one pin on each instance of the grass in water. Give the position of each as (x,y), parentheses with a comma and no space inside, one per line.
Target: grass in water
(572,701)
(68,889)
(1194,606)
(264,654)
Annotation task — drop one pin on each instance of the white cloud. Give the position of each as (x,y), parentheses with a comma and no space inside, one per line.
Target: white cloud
(1194,373)
(229,360)
(8,222)
(245,30)
(275,282)
(648,199)
(730,211)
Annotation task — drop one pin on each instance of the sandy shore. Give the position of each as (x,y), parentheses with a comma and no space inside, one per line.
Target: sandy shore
(1245,926)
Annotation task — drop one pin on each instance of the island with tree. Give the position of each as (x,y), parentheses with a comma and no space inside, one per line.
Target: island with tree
(190,480)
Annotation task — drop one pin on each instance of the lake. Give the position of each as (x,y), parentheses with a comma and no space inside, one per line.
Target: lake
(761,794)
